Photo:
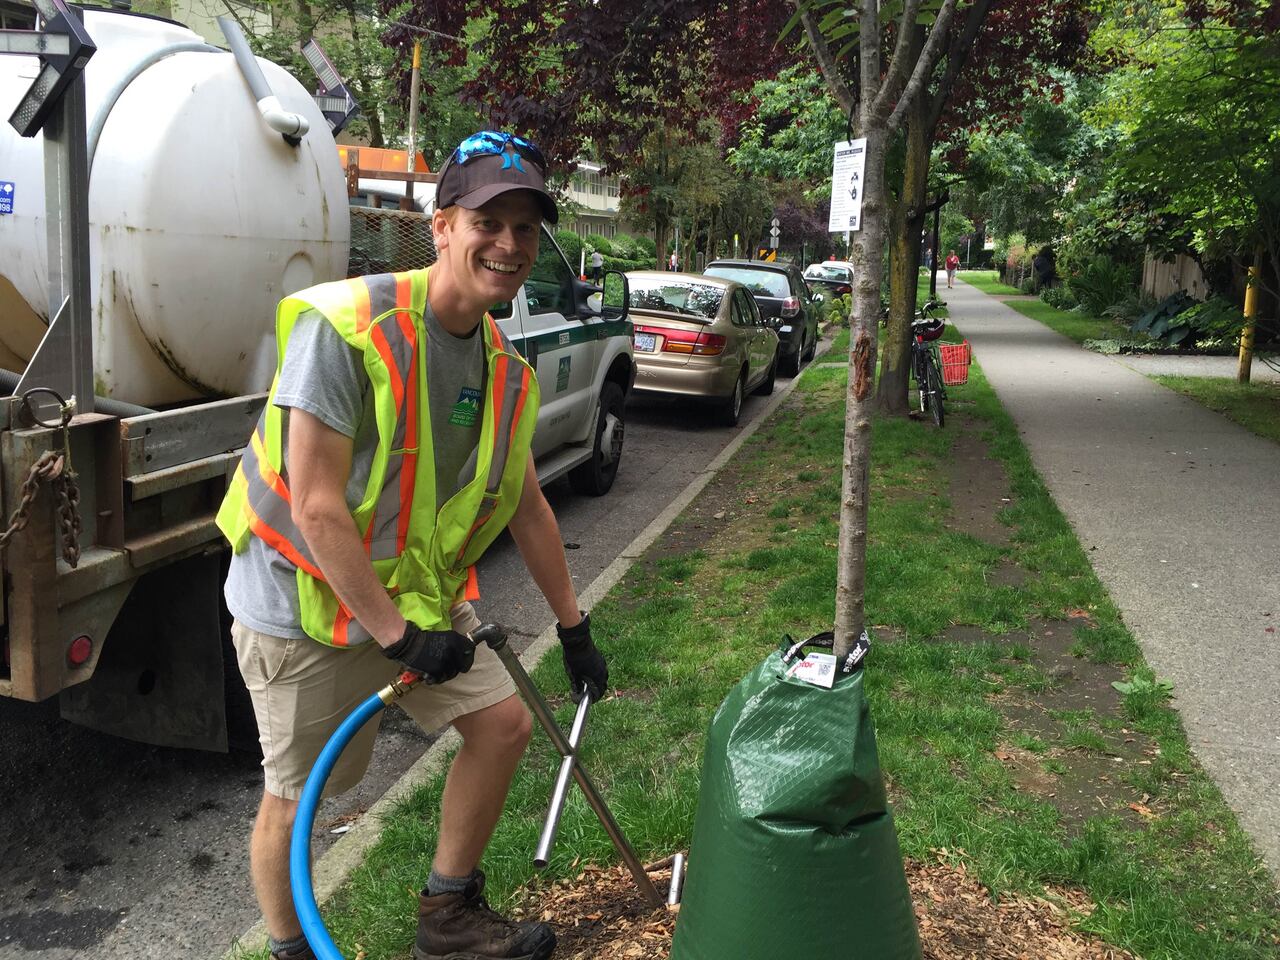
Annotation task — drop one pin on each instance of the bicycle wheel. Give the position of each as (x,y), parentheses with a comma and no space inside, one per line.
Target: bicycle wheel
(934,389)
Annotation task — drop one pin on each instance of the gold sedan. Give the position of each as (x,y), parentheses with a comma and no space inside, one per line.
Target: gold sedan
(700,336)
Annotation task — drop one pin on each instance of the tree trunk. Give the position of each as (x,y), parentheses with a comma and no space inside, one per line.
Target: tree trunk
(904,266)
(866,256)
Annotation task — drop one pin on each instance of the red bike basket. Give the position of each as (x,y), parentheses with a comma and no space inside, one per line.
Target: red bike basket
(955,363)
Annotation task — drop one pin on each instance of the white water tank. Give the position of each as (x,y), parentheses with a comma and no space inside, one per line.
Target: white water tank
(200,216)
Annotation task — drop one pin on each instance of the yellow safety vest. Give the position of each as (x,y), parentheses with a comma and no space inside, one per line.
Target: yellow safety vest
(424,559)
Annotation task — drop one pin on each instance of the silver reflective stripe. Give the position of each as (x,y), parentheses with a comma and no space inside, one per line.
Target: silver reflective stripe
(385,312)
(270,508)
(506,418)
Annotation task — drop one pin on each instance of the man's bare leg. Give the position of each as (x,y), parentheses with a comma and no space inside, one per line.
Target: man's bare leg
(269,865)
(475,791)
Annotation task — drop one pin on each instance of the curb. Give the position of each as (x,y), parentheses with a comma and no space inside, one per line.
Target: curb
(331,871)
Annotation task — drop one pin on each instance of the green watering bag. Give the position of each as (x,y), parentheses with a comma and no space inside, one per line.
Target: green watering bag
(794,853)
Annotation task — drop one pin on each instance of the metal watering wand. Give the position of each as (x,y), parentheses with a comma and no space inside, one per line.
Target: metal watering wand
(304,900)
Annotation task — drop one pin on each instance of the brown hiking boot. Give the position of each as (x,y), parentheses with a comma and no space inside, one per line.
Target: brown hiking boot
(461,926)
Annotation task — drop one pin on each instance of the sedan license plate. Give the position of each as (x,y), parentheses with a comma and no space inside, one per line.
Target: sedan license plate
(646,342)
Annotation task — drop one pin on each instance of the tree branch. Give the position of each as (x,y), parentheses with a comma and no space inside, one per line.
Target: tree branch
(826,61)
(869,52)
(900,67)
(958,51)
(924,66)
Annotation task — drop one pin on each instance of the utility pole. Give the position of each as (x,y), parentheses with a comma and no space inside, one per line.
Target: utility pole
(414,80)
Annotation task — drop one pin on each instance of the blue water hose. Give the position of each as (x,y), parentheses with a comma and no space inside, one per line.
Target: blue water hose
(304,898)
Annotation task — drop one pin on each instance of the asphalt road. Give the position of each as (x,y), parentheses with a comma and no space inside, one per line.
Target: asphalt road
(111,849)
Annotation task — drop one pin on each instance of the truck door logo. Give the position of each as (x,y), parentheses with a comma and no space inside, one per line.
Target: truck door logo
(564,339)
(562,375)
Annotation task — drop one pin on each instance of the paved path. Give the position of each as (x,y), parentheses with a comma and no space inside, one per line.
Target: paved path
(1177,506)
(1223,368)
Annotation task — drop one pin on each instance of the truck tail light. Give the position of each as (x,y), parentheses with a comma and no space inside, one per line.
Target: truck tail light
(790,307)
(79,651)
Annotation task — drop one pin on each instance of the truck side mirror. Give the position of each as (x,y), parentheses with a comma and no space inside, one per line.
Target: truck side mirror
(611,301)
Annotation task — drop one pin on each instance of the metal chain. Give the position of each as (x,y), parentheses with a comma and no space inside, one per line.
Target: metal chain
(49,468)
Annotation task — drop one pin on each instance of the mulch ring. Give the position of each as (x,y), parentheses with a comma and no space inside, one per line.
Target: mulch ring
(600,916)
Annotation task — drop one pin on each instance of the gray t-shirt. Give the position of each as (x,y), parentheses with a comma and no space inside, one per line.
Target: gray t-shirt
(325,376)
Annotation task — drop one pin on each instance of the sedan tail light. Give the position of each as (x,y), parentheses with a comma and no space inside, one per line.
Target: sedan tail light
(790,307)
(697,342)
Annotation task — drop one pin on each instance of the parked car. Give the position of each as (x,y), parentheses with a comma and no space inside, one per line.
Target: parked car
(700,336)
(785,302)
(831,278)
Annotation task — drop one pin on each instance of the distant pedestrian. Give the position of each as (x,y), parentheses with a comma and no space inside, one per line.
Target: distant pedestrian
(928,259)
(953,264)
(674,262)
(597,267)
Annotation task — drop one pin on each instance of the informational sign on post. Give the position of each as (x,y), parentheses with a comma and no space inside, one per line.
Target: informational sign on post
(847,170)
(6,196)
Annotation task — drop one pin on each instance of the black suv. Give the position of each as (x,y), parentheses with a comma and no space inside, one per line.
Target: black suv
(785,303)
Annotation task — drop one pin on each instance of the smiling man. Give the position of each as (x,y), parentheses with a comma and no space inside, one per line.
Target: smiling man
(394,448)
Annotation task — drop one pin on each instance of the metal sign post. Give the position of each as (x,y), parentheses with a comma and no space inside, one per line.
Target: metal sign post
(774,233)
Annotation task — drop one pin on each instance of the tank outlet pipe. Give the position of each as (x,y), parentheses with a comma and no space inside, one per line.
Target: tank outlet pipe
(291,126)
(304,898)
(542,856)
(493,636)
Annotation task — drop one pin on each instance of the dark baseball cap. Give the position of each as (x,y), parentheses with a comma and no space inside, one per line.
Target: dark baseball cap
(487,164)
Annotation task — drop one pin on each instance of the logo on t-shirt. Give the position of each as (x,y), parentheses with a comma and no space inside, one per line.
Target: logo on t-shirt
(467,410)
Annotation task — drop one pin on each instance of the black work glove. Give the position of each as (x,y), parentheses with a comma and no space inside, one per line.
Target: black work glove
(439,655)
(582,661)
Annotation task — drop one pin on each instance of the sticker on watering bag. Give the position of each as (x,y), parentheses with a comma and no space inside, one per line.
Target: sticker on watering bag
(816,668)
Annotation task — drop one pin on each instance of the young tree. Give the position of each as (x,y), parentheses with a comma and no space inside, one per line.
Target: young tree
(877,100)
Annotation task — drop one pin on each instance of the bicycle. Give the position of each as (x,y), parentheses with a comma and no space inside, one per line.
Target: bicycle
(926,367)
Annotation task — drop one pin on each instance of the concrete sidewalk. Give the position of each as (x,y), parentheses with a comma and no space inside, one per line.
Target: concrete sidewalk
(1177,508)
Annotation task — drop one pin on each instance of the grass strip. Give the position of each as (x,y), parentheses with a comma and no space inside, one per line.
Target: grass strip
(687,622)
(988,281)
(1075,326)
(1255,406)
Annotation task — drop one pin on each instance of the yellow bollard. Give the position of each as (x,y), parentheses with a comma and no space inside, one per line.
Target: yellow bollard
(1250,325)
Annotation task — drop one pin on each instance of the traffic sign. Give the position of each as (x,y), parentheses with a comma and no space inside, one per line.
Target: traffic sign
(6,196)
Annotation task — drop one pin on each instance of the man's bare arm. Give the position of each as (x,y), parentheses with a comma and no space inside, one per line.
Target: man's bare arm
(319,465)
(537,536)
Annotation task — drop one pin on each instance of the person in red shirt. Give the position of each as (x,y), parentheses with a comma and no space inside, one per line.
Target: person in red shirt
(953,264)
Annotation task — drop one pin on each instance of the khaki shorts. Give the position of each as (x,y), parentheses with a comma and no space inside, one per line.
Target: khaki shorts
(302,690)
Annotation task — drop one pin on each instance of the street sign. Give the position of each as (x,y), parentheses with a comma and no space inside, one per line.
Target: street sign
(768,254)
(847,170)
(6,196)
(64,47)
(774,234)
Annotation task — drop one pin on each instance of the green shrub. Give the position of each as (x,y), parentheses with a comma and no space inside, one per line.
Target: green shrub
(1131,307)
(1059,297)
(594,241)
(1028,285)
(646,247)
(624,247)
(838,309)
(619,263)
(1101,283)
(571,244)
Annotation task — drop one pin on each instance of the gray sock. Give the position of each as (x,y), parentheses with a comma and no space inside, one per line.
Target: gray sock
(295,949)
(438,883)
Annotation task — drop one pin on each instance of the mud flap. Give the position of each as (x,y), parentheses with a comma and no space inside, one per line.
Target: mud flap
(794,850)
(160,678)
